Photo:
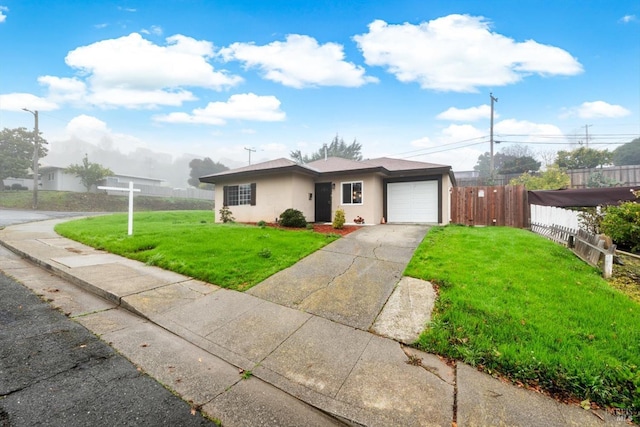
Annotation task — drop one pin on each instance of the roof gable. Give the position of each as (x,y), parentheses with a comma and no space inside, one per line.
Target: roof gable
(271,166)
(391,164)
(338,164)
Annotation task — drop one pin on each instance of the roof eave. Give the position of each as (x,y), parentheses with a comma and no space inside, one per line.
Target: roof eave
(211,179)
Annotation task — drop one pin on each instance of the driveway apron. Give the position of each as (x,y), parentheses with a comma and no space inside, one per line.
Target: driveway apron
(349,280)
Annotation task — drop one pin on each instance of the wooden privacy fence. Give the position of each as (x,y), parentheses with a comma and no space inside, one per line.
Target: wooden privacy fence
(627,176)
(490,205)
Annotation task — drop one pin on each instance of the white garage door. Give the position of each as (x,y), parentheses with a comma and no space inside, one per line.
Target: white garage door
(413,202)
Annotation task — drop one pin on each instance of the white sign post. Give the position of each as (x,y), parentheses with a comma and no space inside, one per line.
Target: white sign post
(131,191)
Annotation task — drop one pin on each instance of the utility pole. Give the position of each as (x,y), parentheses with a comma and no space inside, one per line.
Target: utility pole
(586,132)
(36,149)
(250,150)
(491,167)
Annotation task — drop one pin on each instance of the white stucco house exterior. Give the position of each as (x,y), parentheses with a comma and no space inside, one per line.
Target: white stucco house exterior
(377,190)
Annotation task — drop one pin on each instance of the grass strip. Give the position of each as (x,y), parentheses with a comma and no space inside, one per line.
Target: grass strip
(69,201)
(233,256)
(514,303)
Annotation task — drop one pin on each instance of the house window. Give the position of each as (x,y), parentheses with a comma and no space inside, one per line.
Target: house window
(242,194)
(352,193)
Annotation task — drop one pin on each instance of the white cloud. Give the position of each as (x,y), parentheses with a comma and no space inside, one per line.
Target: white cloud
(133,72)
(455,145)
(87,127)
(299,62)
(94,131)
(596,110)
(156,30)
(246,106)
(424,142)
(467,114)
(628,18)
(3,14)
(62,90)
(459,53)
(139,98)
(525,131)
(18,101)
(460,145)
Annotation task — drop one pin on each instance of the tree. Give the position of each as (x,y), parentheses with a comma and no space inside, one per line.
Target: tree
(553,178)
(203,167)
(16,152)
(519,165)
(627,154)
(90,174)
(599,180)
(337,148)
(583,158)
(511,160)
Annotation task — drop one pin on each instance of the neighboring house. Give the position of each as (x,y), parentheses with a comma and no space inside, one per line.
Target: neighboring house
(392,190)
(56,179)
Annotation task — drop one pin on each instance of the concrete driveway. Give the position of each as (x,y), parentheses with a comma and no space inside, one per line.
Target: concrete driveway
(350,280)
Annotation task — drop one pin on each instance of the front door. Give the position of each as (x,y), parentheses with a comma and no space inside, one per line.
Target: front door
(323,202)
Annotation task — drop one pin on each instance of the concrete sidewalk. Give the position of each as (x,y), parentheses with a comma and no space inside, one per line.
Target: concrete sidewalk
(299,345)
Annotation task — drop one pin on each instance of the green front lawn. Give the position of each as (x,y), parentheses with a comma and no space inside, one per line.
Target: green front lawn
(234,256)
(516,304)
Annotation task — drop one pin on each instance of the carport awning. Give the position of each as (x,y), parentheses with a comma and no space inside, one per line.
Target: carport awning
(582,197)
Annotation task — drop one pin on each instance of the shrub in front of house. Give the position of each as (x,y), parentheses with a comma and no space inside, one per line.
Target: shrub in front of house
(293,218)
(226,215)
(338,219)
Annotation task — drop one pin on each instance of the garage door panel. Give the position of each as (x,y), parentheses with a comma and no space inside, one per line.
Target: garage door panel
(414,202)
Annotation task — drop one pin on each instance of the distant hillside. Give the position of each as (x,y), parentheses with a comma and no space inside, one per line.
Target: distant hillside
(62,201)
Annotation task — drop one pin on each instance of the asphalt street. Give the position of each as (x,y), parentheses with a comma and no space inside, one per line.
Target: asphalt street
(12,216)
(54,372)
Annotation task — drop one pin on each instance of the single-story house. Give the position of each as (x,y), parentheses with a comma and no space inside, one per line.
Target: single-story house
(55,178)
(377,190)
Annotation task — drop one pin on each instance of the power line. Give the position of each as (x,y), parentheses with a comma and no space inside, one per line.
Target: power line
(445,149)
(443,145)
(565,140)
(454,145)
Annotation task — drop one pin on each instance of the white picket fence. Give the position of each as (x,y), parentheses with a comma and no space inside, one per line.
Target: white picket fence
(550,215)
(563,227)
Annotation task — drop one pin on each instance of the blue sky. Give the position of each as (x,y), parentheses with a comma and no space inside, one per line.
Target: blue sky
(406,79)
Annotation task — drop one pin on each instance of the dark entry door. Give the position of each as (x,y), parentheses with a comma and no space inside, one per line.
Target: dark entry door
(323,202)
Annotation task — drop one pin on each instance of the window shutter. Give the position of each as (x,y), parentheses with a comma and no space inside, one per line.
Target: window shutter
(253,194)
(225,196)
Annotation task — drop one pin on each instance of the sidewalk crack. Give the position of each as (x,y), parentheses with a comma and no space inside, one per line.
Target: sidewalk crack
(329,284)
(364,348)
(454,416)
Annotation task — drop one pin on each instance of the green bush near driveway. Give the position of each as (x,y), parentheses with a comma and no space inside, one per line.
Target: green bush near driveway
(234,256)
(516,304)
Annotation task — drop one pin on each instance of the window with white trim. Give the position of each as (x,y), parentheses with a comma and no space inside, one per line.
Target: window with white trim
(244,194)
(352,193)
(241,194)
